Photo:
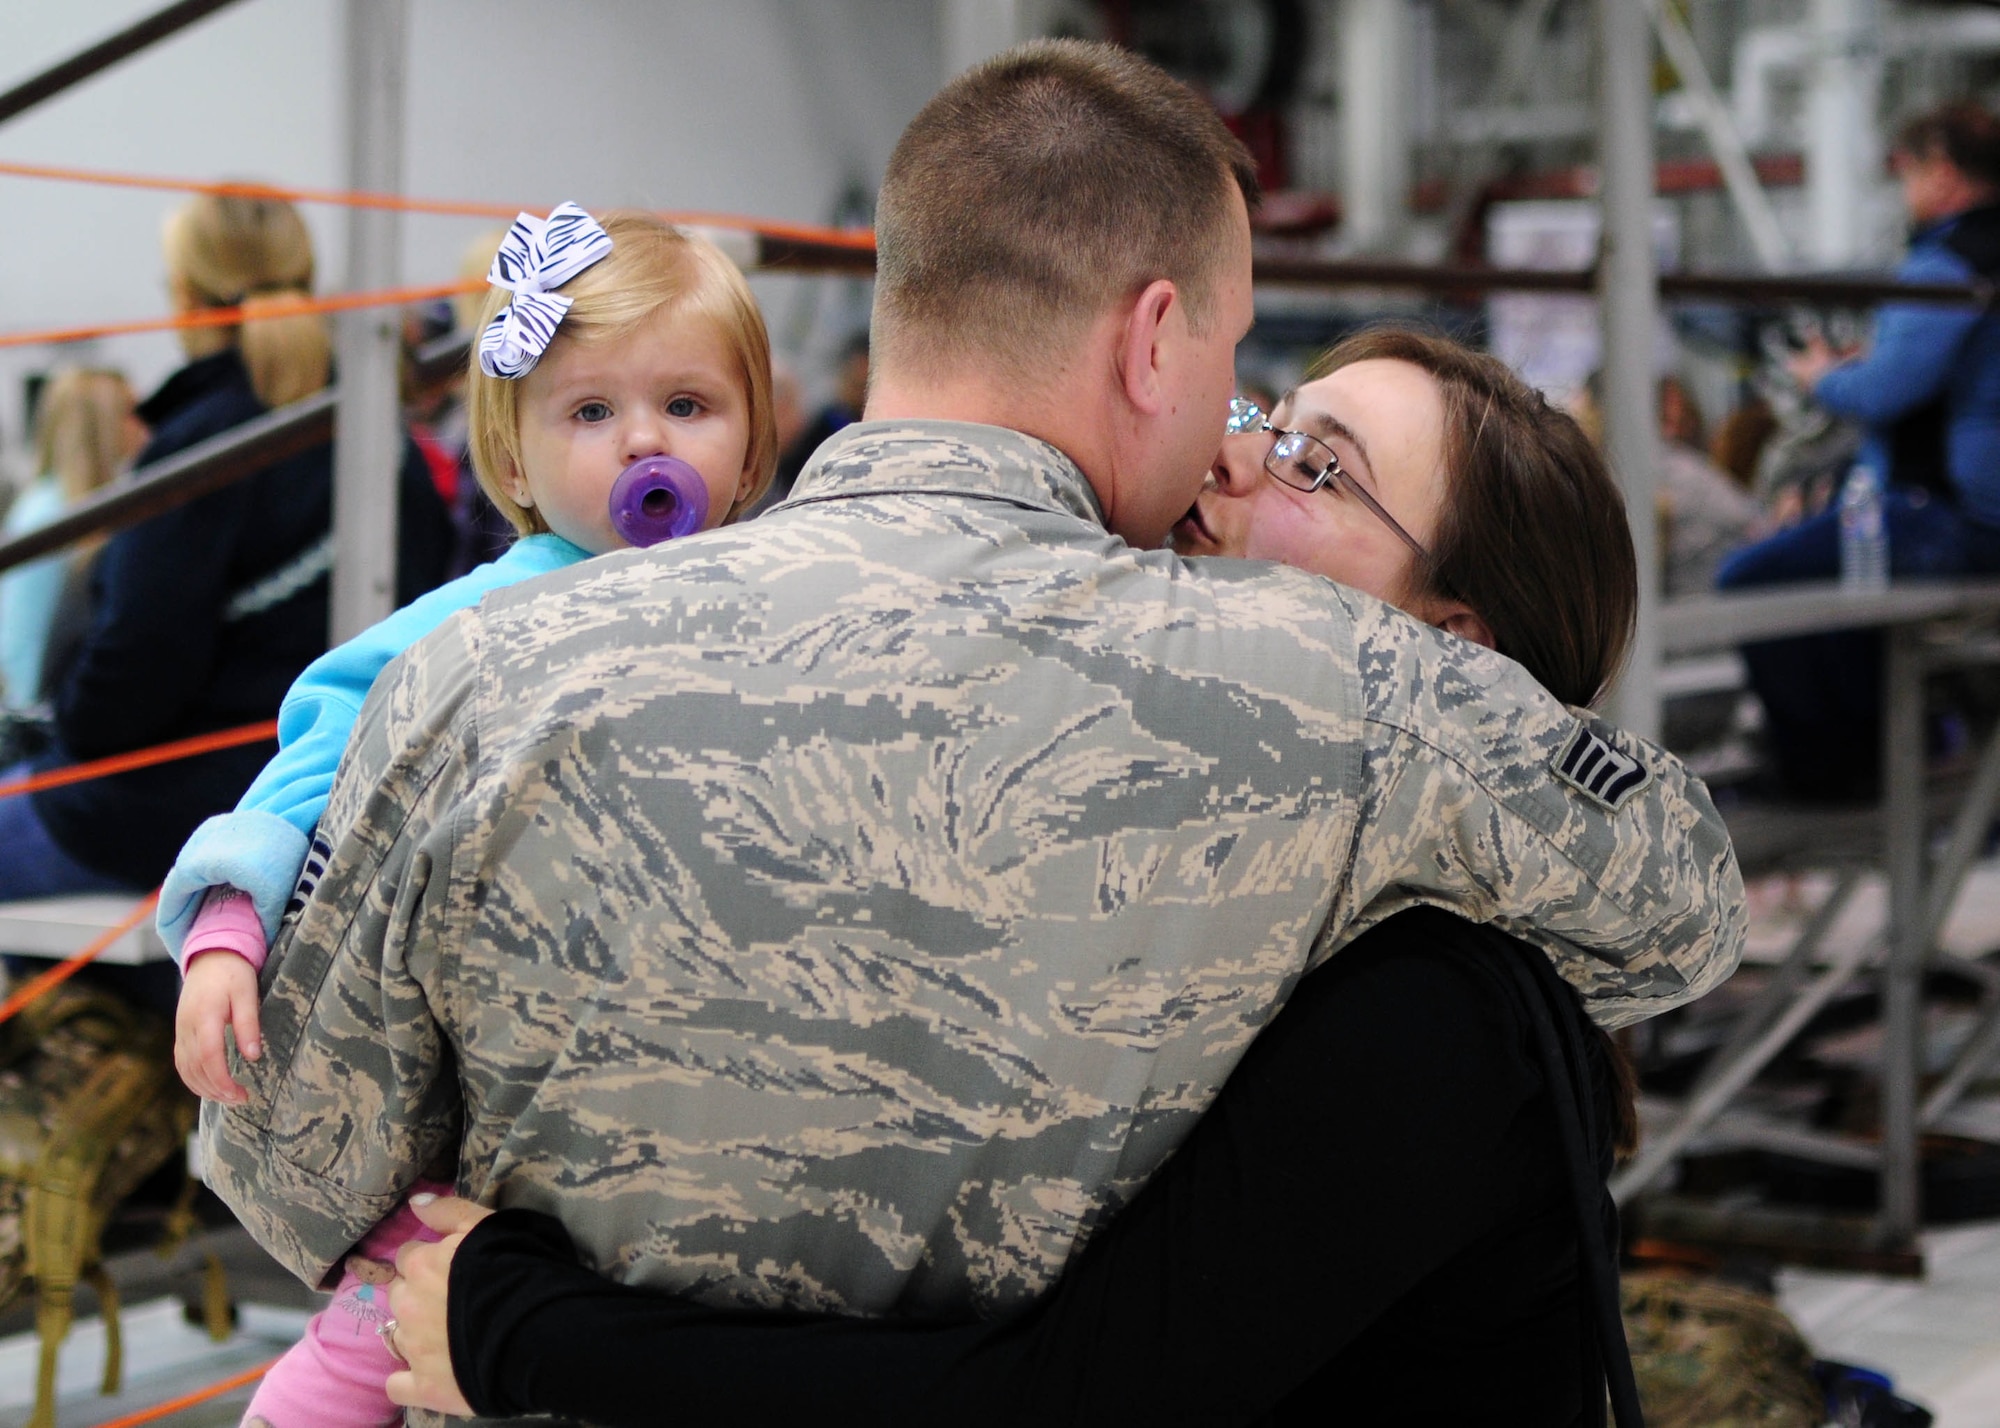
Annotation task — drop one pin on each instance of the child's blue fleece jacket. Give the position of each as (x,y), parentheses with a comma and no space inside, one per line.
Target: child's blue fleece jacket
(261,847)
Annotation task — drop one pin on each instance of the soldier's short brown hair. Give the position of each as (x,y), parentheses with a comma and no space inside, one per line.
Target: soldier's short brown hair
(1037,189)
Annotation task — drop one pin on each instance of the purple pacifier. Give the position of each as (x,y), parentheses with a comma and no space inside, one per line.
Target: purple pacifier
(657,498)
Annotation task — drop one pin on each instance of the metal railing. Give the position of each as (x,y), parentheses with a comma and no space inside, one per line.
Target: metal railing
(102,55)
(212,464)
(219,461)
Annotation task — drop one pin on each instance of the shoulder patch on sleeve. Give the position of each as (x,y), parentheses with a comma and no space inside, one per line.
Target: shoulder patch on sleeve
(1591,766)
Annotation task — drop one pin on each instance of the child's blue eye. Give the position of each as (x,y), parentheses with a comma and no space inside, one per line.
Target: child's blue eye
(594,411)
(683,407)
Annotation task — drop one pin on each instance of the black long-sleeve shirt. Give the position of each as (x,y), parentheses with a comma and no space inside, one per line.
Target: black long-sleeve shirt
(1368,1225)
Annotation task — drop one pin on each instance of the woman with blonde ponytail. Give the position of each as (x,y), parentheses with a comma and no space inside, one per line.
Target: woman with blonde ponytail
(254,254)
(202,617)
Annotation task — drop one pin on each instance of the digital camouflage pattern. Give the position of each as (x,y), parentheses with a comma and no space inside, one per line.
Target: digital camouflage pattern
(847,909)
(1711,1355)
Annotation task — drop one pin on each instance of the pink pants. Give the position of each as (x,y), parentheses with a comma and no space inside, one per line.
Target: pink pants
(335,1376)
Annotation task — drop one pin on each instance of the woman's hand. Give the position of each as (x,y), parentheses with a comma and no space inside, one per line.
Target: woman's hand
(417,1299)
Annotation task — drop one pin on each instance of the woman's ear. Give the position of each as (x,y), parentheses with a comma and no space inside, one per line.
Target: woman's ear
(1461,620)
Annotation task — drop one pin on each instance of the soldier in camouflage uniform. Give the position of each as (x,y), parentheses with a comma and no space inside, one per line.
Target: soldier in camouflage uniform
(848,910)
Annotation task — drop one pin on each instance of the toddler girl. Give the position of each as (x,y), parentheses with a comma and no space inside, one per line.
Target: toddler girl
(601,345)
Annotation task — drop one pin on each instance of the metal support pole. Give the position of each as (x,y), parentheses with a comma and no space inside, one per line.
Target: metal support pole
(368,438)
(105,53)
(1629,299)
(1732,156)
(1375,62)
(1902,1009)
(1843,154)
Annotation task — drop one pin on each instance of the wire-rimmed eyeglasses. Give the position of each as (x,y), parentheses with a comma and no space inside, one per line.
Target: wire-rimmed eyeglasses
(1305,463)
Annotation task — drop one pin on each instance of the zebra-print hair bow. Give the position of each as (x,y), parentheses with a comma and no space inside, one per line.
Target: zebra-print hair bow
(537,256)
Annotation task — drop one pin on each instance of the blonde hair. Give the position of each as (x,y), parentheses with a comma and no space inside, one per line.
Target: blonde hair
(654,268)
(253,253)
(80,429)
(474,263)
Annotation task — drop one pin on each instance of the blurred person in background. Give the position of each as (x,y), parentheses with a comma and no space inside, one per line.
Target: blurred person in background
(1742,438)
(788,403)
(200,618)
(87,432)
(850,392)
(1927,395)
(1705,513)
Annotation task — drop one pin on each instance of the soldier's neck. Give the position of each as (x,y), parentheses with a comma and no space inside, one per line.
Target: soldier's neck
(974,402)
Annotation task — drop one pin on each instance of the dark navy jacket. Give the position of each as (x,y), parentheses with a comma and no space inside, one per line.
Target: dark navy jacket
(165,658)
(1928,390)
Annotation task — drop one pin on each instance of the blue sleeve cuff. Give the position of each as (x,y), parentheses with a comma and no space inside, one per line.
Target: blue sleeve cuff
(260,853)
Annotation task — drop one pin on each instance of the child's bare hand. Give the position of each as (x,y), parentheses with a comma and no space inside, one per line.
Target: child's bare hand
(220,990)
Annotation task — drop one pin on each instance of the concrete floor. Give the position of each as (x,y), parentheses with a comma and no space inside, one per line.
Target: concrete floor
(1938,1338)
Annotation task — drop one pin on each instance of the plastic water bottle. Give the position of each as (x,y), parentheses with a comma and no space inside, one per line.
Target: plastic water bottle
(1864,535)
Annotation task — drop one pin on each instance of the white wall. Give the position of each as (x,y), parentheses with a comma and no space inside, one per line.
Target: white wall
(763,107)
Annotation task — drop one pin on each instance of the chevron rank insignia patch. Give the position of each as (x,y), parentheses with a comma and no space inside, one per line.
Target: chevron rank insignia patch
(1590,765)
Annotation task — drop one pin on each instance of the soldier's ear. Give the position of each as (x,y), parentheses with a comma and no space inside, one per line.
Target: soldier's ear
(1143,358)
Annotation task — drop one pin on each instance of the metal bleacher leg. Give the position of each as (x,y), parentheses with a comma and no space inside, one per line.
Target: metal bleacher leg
(1978,1051)
(1703,1107)
(1968,835)
(1784,982)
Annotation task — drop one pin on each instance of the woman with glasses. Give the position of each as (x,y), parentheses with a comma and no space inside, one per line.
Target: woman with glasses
(1414,1259)
(1431,476)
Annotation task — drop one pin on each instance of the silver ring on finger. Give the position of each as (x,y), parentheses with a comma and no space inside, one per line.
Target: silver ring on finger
(386,1332)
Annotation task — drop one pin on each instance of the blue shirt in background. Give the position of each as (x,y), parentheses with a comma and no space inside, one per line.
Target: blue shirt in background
(1923,354)
(28,595)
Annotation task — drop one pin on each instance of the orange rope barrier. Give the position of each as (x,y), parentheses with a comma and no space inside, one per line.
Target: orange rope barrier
(143,758)
(189,1400)
(43,983)
(236,316)
(859,240)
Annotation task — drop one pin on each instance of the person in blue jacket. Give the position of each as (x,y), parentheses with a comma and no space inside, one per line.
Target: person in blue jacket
(656,349)
(1927,394)
(200,618)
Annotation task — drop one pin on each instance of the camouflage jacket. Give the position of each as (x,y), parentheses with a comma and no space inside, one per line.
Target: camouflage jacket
(847,909)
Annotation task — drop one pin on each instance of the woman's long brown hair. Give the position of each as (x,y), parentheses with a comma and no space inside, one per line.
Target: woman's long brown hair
(1534,537)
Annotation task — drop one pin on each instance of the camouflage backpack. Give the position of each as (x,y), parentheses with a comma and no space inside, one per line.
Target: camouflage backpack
(1710,1355)
(90,1107)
